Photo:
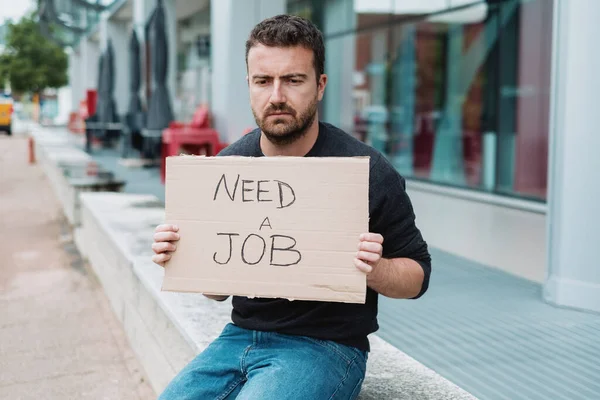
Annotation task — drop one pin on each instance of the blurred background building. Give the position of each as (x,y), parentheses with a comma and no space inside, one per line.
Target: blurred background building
(461,95)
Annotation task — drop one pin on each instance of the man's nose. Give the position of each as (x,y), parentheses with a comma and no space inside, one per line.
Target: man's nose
(277,95)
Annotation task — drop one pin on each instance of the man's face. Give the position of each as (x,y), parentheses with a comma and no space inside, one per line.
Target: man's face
(283,91)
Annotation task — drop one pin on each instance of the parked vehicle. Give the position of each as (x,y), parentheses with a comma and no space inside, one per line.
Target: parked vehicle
(6,114)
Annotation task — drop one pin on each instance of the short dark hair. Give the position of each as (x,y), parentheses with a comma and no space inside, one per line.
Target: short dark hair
(287,31)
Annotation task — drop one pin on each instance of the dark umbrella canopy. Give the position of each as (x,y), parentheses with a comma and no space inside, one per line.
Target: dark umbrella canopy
(109,113)
(100,88)
(110,67)
(135,105)
(159,110)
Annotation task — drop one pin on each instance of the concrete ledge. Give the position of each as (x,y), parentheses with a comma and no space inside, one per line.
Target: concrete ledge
(168,329)
(67,170)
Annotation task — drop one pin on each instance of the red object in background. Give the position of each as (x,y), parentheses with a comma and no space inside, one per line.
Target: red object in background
(91,169)
(533,109)
(76,122)
(91,100)
(87,108)
(71,124)
(83,109)
(195,138)
(200,119)
(31,146)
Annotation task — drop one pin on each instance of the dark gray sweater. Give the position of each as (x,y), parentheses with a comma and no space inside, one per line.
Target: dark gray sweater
(390,214)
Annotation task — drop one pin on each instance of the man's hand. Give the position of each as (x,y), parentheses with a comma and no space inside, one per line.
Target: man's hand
(164,245)
(370,248)
(398,278)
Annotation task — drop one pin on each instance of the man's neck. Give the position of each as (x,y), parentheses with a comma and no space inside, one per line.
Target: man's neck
(299,148)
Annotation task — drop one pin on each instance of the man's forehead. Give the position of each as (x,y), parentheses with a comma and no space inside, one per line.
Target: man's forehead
(279,60)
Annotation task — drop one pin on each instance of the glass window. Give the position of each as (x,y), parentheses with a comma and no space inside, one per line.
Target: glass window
(458,99)
(309,9)
(194,66)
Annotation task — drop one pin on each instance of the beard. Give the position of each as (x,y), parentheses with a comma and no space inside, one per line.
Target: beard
(286,129)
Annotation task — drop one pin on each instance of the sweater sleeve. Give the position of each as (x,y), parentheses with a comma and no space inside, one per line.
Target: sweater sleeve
(392,216)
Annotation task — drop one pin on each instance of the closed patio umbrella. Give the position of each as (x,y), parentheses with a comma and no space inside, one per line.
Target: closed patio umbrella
(134,119)
(160,113)
(135,105)
(99,88)
(109,114)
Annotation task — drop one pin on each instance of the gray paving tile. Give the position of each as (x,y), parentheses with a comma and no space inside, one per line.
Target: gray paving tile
(493,335)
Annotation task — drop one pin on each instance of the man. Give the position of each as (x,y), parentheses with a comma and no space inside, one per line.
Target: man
(280,349)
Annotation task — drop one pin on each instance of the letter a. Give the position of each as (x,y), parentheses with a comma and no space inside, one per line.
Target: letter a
(266,222)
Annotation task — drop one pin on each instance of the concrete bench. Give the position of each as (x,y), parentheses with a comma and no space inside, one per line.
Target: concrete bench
(71,171)
(166,330)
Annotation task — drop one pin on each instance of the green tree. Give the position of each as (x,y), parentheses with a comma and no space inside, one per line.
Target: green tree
(30,62)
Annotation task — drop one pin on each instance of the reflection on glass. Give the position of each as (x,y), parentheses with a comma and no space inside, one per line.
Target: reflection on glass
(403,101)
(193,87)
(458,98)
(377,113)
(447,151)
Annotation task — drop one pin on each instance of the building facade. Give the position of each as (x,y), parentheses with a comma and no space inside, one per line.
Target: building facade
(485,107)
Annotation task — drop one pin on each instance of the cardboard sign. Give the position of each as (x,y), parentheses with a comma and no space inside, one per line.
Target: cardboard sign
(285,227)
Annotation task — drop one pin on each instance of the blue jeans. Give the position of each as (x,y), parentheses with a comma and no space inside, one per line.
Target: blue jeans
(242,364)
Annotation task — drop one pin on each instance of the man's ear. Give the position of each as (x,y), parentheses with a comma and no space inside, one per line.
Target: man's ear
(321,86)
(247,80)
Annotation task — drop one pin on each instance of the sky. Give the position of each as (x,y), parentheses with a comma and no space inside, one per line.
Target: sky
(14,9)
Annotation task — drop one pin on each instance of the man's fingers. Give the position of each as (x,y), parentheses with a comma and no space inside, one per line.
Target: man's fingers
(166,236)
(372,247)
(161,259)
(368,256)
(166,228)
(371,237)
(163,247)
(363,266)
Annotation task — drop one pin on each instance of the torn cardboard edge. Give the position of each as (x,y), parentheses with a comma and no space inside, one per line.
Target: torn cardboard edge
(314,293)
(263,158)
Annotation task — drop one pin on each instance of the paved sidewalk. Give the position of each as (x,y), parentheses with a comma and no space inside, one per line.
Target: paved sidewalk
(58,336)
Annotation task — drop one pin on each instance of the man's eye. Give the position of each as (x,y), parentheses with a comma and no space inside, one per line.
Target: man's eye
(261,82)
(295,81)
